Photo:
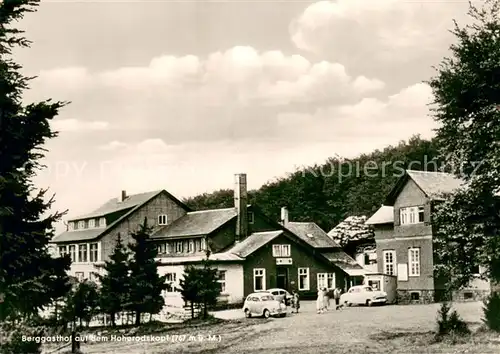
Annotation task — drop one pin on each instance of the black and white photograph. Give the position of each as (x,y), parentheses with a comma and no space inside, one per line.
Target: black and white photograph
(249,176)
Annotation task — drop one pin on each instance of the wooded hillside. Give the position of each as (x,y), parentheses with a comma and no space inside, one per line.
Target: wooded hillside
(328,193)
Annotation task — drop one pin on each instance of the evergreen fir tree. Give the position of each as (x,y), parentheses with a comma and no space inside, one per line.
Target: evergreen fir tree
(146,285)
(114,289)
(209,287)
(29,277)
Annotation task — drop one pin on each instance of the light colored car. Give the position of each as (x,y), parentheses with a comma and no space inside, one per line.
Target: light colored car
(281,295)
(263,304)
(363,295)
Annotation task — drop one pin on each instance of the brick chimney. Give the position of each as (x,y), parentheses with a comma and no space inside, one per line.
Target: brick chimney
(123,196)
(284,216)
(240,204)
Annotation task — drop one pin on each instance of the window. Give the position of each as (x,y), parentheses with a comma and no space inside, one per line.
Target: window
(82,253)
(222,281)
(102,222)
(259,279)
(281,250)
(203,244)
(389,262)
(81,224)
(414,262)
(94,252)
(62,250)
(411,215)
(93,277)
(161,248)
(421,214)
(72,253)
(303,278)
(321,280)
(169,248)
(330,281)
(80,276)
(250,217)
(171,282)
(91,223)
(367,259)
(71,226)
(162,219)
(179,247)
(475,270)
(326,280)
(191,246)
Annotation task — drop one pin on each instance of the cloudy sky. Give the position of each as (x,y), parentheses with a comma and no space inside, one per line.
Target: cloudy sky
(183,94)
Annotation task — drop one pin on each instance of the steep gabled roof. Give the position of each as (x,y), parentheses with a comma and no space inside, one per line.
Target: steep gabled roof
(196,223)
(135,203)
(311,233)
(253,242)
(113,205)
(433,184)
(385,215)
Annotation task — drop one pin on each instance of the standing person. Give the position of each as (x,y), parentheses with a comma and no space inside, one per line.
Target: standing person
(336,295)
(295,302)
(326,299)
(320,301)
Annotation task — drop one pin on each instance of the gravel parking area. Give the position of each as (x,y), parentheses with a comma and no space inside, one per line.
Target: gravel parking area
(387,329)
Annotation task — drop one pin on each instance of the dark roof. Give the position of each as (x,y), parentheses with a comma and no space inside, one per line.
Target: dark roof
(385,215)
(79,235)
(433,184)
(196,223)
(312,234)
(253,242)
(113,205)
(91,234)
(342,260)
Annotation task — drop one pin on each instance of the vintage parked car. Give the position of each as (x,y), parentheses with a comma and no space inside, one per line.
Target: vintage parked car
(281,295)
(263,304)
(363,295)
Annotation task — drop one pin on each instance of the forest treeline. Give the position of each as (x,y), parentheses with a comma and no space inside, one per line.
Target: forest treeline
(327,193)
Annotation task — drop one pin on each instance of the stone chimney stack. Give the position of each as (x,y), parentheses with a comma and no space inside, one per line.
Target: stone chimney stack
(241,205)
(284,216)
(123,196)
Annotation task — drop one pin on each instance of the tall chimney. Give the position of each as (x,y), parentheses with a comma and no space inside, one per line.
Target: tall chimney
(123,196)
(240,204)
(284,216)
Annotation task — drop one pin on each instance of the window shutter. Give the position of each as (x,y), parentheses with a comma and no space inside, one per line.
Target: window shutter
(397,214)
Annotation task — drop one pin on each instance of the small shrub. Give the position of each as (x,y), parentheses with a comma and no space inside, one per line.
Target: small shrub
(491,311)
(450,324)
(11,341)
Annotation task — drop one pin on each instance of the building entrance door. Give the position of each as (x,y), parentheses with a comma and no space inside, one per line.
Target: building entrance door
(282,278)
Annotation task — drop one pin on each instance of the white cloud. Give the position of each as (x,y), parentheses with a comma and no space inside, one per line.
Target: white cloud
(229,94)
(113,145)
(368,121)
(74,125)
(382,30)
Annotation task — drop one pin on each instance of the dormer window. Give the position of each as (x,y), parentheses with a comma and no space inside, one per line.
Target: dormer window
(91,223)
(102,222)
(71,226)
(162,219)
(81,224)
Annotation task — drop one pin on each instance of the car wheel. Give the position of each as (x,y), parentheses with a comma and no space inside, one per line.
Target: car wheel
(369,303)
(348,304)
(247,313)
(266,313)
